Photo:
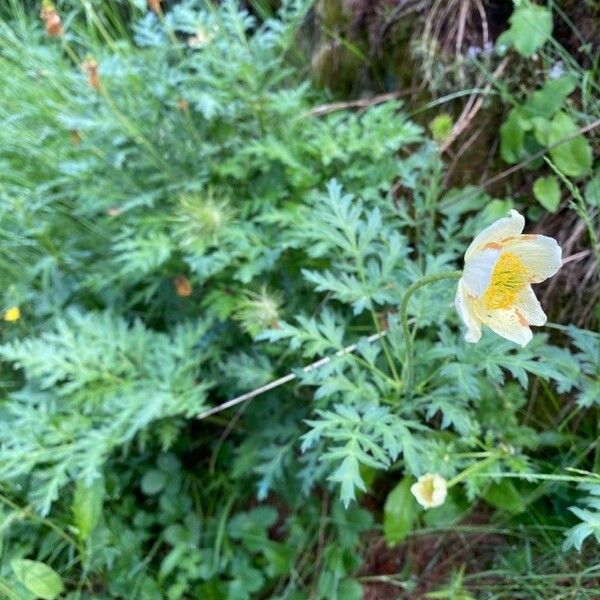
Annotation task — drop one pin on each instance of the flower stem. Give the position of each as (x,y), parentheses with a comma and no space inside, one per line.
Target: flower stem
(477,466)
(409,359)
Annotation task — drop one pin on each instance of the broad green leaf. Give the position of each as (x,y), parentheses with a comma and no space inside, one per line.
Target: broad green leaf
(504,495)
(574,156)
(495,209)
(530,28)
(444,515)
(549,99)
(350,589)
(38,578)
(541,127)
(87,506)
(592,191)
(441,127)
(458,201)
(512,137)
(400,512)
(547,192)
(251,527)
(154,482)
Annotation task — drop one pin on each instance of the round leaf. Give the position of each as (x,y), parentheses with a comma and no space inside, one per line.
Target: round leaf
(505,496)
(547,192)
(530,28)
(574,156)
(38,578)
(153,482)
(592,191)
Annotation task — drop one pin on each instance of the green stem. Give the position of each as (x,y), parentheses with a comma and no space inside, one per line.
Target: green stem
(408,362)
(473,469)
(28,513)
(386,350)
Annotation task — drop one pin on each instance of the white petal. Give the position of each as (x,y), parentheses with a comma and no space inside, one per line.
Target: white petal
(478,270)
(440,490)
(508,323)
(541,255)
(509,226)
(529,307)
(415,490)
(464,309)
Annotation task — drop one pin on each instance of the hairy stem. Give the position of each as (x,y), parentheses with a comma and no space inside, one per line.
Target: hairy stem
(409,359)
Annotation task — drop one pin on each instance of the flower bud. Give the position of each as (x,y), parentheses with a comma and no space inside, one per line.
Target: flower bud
(51,19)
(430,490)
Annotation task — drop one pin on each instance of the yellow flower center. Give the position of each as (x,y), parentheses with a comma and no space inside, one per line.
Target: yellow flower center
(427,490)
(508,279)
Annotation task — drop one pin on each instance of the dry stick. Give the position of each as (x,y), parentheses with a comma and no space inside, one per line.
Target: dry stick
(472,108)
(349,349)
(460,152)
(402,10)
(324,109)
(484,23)
(462,22)
(286,378)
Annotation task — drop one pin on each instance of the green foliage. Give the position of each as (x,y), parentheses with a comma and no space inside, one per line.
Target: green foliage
(505,496)
(93,384)
(373,438)
(38,578)
(546,121)
(587,344)
(589,517)
(530,28)
(573,157)
(592,191)
(539,122)
(190,229)
(547,192)
(400,512)
(87,506)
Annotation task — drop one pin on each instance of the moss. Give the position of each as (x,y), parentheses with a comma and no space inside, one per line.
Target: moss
(335,14)
(335,66)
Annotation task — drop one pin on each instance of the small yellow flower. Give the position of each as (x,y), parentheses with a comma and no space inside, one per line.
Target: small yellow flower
(495,290)
(12,314)
(430,490)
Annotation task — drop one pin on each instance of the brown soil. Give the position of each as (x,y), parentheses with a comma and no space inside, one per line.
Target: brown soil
(429,560)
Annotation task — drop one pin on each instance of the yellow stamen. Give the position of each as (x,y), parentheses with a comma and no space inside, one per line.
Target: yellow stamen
(427,489)
(508,279)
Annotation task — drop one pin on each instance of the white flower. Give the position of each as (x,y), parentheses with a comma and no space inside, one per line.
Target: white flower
(495,290)
(430,490)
